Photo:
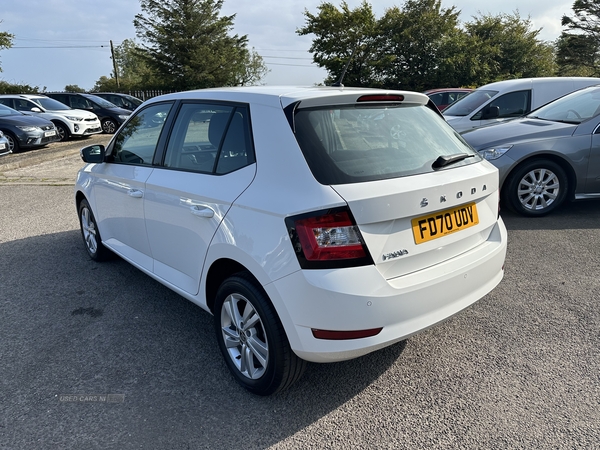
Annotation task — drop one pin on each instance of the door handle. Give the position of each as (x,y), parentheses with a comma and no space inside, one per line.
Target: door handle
(135,193)
(202,211)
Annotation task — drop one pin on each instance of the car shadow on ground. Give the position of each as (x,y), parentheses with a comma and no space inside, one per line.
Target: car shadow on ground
(76,332)
(583,214)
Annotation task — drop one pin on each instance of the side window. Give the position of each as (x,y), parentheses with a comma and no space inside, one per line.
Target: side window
(6,102)
(80,103)
(210,138)
(23,105)
(437,98)
(137,140)
(513,104)
(62,98)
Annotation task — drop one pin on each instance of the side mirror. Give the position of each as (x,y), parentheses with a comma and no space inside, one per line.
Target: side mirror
(36,109)
(490,112)
(93,153)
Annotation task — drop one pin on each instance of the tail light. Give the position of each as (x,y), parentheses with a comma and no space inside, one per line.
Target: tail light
(327,239)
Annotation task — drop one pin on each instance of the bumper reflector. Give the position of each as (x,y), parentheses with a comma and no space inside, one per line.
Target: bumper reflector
(343,335)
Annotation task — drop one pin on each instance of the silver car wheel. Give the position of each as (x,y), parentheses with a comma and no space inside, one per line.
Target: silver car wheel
(538,189)
(88,228)
(13,146)
(244,336)
(109,126)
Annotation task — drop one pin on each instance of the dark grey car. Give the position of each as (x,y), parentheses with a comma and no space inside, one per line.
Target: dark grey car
(548,156)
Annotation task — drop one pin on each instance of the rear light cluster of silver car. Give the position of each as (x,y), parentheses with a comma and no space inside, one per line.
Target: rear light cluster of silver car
(327,239)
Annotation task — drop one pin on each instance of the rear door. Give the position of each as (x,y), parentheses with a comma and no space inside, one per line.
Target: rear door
(208,163)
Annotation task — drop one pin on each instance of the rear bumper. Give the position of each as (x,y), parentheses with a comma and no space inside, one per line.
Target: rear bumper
(360,298)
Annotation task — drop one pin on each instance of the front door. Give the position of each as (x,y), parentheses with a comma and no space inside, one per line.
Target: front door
(120,186)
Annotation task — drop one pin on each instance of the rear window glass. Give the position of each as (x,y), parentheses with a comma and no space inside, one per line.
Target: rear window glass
(353,144)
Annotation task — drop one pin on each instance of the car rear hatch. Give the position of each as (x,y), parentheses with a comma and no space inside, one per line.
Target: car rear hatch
(417,192)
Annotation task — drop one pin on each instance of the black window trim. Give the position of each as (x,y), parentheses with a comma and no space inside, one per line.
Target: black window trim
(160,153)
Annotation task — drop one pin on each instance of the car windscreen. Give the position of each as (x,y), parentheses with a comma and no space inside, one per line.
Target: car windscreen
(6,111)
(51,104)
(469,103)
(573,108)
(352,144)
(100,101)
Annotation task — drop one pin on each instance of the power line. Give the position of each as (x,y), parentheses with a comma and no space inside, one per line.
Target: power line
(68,46)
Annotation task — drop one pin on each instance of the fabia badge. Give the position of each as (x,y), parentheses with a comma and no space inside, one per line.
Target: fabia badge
(396,254)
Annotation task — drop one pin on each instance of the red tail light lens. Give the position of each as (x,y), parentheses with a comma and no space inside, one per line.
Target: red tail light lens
(328,239)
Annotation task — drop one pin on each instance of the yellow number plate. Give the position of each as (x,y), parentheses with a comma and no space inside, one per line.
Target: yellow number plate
(442,223)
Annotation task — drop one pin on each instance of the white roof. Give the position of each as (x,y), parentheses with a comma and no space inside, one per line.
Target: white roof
(282,96)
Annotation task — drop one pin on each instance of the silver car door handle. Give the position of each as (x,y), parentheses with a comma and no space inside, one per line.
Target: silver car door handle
(135,193)
(202,211)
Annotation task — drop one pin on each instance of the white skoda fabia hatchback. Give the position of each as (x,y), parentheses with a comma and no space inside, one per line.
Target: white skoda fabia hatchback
(315,224)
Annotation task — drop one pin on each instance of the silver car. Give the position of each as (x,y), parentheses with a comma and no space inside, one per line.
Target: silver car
(4,147)
(547,157)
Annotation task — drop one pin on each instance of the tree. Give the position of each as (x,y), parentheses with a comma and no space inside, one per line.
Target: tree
(6,40)
(507,47)
(578,47)
(344,37)
(134,73)
(73,88)
(187,45)
(419,37)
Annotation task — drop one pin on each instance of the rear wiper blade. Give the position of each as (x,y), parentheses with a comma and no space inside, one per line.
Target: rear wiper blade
(446,160)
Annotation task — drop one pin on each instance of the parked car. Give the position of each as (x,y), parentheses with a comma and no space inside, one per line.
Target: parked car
(315,224)
(548,156)
(4,147)
(68,122)
(496,102)
(124,101)
(444,97)
(23,131)
(110,115)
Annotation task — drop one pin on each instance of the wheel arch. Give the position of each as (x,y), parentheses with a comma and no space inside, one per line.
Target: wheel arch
(59,122)
(79,196)
(219,271)
(557,159)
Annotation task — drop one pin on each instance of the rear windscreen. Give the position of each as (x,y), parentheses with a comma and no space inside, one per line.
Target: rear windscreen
(352,144)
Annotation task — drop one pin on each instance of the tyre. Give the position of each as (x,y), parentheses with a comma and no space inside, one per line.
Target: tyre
(252,339)
(109,126)
(90,233)
(537,188)
(13,142)
(63,131)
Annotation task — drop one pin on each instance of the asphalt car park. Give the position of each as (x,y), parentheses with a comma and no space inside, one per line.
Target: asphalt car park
(102,356)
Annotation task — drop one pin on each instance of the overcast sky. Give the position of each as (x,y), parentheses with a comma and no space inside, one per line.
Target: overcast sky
(77,34)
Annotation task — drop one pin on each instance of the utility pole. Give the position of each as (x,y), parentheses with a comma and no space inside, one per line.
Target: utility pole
(112,52)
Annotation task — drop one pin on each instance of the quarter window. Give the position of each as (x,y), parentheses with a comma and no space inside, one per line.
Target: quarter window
(137,140)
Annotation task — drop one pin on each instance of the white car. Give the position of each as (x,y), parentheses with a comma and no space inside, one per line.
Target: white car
(68,122)
(315,224)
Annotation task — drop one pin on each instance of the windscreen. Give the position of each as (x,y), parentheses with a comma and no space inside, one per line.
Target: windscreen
(100,101)
(469,103)
(573,108)
(50,104)
(351,144)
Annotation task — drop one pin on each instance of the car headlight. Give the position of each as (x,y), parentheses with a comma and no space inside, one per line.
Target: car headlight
(494,152)
(27,128)
(123,117)
(74,119)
